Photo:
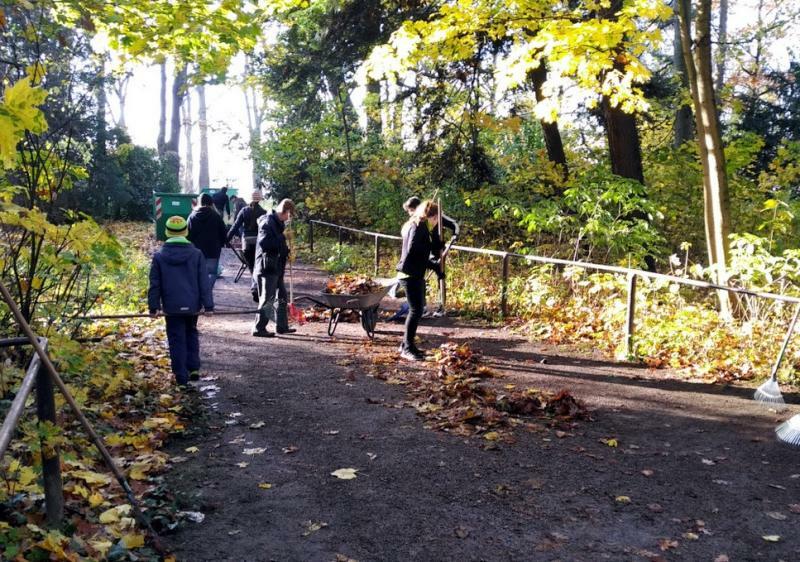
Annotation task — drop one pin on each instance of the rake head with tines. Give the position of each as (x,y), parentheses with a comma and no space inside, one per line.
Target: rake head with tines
(789,431)
(769,392)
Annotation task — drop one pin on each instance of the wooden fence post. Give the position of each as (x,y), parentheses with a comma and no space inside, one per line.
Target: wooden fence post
(504,286)
(630,325)
(377,255)
(311,235)
(51,464)
(340,236)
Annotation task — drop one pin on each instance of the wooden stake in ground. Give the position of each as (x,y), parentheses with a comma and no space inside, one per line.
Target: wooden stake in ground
(96,439)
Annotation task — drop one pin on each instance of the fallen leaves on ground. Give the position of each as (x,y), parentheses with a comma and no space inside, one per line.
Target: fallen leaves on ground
(122,382)
(345,473)
(461,397)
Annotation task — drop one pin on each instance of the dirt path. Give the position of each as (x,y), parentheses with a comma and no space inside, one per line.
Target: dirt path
(704,476)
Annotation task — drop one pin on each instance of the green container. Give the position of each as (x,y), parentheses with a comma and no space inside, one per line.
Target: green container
(213,190)
(166,205)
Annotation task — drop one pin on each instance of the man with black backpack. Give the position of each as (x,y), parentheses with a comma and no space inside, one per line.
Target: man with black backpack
(247,220)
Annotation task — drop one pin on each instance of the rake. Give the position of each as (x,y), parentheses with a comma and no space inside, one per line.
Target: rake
(295,313)
(770,391)
(789,431)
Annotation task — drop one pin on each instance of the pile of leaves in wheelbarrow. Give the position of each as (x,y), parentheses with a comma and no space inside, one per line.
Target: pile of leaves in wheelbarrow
(462,396)
(347,284)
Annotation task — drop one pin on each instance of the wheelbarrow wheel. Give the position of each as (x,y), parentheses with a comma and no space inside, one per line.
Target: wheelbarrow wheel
(369,318)
(334,321)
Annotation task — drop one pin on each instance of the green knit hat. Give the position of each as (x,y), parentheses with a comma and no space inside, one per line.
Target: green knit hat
(176,226)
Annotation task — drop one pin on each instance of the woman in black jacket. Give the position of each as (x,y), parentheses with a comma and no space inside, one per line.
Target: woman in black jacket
(414,262)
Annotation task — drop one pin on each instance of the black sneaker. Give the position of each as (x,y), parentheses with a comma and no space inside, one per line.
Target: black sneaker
(412,355)
(286,331)
(263,334)
(194,376)
(255,296)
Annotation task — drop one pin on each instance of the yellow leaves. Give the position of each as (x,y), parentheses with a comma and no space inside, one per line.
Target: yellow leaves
(192,449)
(19,112)
(91,477)
(115,514)
(54,542)
(132,541)
(624,500)
(265,485)
(102,546)
(491,436)
(345,473)
(610,442)
(96,500)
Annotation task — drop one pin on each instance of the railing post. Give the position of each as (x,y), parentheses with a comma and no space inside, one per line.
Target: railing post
(340,236)
(504,286)
(377,254)
(311,235)
(51,464)
(630,325)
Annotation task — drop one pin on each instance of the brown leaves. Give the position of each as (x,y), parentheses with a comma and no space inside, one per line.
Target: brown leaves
(459,396)
(351,285)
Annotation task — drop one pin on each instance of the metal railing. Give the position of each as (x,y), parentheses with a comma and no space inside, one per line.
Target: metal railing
(632,274)
(36,376)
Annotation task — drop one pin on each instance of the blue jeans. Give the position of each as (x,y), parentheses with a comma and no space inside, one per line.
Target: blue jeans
(184,346)
(211,268)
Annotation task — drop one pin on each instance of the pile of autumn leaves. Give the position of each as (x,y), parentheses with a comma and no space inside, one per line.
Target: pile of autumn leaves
(460,397)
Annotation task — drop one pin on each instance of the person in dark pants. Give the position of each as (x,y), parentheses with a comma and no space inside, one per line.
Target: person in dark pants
(272,252)
(222,203)
(179,287)
(247,223)
(437,246)
(208,233)
(415,260)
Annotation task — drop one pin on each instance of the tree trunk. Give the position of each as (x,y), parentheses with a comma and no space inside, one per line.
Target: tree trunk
(715,181)
(682,128)
(172,146)
(187,182)
(204,179)
(623,142)
(351,171)
(162,117)
(552,136)
(722,41)
(373,108)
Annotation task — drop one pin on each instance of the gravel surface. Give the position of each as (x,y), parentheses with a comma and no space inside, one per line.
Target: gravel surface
(696,473)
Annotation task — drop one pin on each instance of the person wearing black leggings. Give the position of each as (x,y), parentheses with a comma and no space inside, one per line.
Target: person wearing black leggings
(414,262)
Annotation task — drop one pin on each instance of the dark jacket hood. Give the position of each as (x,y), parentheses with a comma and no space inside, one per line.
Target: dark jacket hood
(177,254)
(204,215)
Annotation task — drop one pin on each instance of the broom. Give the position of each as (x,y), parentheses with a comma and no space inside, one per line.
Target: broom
(295,313)
(789,431)
(770,391)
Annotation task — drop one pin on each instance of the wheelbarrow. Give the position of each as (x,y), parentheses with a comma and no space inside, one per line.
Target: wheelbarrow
(243,267)
(366,305)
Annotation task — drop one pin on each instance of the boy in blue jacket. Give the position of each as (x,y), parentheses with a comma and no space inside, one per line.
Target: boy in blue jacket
(179,287)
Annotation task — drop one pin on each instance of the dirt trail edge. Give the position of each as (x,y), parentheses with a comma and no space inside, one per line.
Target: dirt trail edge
(695,473)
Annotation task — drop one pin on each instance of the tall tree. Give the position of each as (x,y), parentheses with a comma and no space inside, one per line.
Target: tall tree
(172,146)
(187,169)
(162,116)
(552,135)
(204,179)
(716,205)
(682,128)
(722,44)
